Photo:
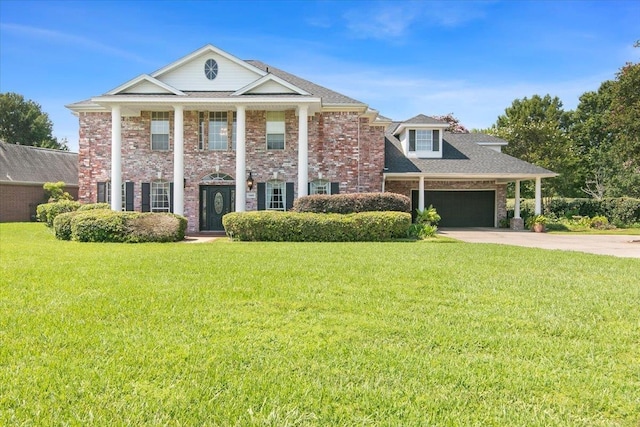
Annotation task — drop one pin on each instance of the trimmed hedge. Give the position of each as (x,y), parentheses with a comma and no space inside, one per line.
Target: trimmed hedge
(62,225)
(352,203)
(92,206)
(104,225)
(47,212)
(314,227)
(621,211)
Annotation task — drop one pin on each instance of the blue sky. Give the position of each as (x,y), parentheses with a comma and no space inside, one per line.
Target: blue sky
(470,58)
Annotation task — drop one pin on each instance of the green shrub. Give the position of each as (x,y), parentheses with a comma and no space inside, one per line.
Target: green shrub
(425,225)
(352,203)
(314,227)
(92,206)
(622,212)
(421,231)
(154,227)
(98,225)
(103,225)
(47,212)
(62,225)
(600,222)
(556,226)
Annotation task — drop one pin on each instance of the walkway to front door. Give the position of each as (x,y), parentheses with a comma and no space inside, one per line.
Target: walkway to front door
(215,202)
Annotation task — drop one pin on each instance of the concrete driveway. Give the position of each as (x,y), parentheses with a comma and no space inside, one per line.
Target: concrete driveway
(616,245)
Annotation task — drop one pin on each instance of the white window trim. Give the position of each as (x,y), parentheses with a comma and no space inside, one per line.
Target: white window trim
(269,187)
(166,118)
(213,118)
(283,133)
(421,154)
(154,207)
(315,185)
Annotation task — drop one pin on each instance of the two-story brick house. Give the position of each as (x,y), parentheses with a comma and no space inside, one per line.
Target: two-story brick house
(210,134)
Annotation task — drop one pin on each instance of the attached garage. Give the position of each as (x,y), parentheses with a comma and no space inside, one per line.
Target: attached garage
(463,208)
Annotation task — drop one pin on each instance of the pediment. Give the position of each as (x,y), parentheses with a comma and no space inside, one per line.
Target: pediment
(270,85)
(189,73)
(144,84)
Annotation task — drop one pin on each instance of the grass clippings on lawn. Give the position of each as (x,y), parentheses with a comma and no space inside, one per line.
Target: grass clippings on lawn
(314,334)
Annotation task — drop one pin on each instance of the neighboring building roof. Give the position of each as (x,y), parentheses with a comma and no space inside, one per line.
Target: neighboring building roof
(461,155)
(25,164)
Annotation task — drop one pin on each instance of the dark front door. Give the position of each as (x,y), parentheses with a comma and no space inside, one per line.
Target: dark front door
(215,202)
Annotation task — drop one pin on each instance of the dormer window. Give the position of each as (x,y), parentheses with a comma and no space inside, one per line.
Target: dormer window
(424,140)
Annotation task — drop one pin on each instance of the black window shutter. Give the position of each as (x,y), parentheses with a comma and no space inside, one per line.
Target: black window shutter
(262,190)
(171,197)
(146,197)
(308,188)
(128,189)
(102,190)
(436,140)
(412,140)
(335,188)
(289,191)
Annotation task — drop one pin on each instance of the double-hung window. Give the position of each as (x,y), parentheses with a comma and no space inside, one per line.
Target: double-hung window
(275,195)
(275,130)
(424,140)
(320,186)
(160,130)
(160,196)
(218,131)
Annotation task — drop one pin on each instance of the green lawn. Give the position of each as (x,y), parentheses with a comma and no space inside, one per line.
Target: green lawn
(276,334)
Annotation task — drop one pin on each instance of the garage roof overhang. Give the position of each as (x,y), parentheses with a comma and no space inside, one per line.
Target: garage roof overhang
(498,177)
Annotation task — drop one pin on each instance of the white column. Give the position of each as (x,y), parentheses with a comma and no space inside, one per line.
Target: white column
(538,208)
(303,151)
(421,194)
(178,160)
(116,158)
(241,167)
(516,208)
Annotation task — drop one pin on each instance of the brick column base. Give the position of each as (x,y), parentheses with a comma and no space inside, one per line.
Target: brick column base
(516,224)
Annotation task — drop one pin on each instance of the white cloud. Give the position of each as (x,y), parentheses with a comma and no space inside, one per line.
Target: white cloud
(384,22)
(395,20)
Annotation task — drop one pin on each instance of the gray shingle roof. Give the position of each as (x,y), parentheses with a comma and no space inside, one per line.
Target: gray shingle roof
(421,119)
(461,155)
(328,96)
(25,164)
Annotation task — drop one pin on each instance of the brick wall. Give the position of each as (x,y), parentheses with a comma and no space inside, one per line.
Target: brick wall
(343,147)
(405,187)
(19,201)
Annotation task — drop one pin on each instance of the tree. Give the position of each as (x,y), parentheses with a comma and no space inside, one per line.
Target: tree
(606,131)
(454,123)
(55,191)
(23,122)
(624,123)
(536,129)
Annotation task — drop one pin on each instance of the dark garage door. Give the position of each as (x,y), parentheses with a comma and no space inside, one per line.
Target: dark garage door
(461,208)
